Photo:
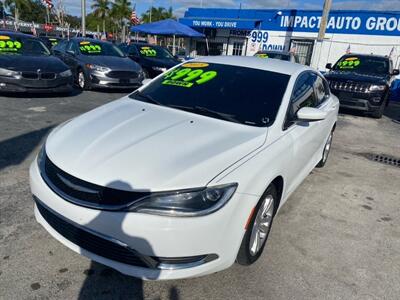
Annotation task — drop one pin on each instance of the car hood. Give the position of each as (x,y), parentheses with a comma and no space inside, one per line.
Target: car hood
(112,62)
(145,147)
(32,63)
(352,76)
(157,62)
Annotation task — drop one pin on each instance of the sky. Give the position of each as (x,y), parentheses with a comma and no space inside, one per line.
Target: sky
(180,6)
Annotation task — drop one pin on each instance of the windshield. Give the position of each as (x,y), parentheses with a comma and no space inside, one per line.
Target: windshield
(15,45)
(92,48)
(363,64)
(275,55)
(154,52)
(237,94)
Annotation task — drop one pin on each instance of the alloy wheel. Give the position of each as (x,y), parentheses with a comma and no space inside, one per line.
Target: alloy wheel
(262,225)
(81,80)
(327,148)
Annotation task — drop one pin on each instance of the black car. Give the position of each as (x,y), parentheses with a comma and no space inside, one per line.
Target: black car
(95,63)
(27,65)
(362,82)
(282,55)
(153,59)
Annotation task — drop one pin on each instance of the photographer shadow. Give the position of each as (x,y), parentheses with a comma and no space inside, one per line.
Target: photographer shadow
(103,282)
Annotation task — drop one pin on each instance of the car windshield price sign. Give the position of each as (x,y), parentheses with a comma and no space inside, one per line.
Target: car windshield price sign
(8,45)
(349,63)
(87,47)
(148,51)
(189,75)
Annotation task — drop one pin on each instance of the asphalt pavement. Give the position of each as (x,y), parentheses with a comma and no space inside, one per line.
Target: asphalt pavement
(337,237)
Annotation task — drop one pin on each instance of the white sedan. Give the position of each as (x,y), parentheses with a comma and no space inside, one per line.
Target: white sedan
(184,176)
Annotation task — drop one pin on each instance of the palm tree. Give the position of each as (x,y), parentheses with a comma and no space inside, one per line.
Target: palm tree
(121,10)
(16,5)
(157,14)
(101,9)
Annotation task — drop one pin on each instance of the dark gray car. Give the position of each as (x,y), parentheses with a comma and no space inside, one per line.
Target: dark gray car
(99,64)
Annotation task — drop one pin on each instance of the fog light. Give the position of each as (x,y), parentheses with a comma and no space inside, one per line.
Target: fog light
(2,84)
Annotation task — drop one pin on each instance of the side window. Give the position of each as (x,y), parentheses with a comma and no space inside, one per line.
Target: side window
(133,50)
(303,95)
(321,90)
(61,46)
(71,47)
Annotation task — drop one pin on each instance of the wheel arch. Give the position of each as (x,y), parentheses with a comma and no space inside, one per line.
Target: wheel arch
(279,184)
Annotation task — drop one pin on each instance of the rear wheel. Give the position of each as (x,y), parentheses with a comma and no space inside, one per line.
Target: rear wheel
(327,150)
(257,231)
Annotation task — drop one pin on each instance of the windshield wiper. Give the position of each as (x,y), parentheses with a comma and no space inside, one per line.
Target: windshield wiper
(147,97)
(207,112)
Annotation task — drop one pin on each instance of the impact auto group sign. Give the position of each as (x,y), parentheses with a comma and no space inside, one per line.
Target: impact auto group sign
(345,22)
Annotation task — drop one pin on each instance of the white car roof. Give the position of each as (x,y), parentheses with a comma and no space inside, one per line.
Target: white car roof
(274,65)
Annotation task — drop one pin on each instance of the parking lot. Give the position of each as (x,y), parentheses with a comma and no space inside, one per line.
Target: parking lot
(337,237)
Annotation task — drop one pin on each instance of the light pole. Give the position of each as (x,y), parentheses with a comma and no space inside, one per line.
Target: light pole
(321,33)
(83,8)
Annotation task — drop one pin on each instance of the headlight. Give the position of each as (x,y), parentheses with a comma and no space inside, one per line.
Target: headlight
(159,69)
(375,88)
(98,68)
(186,203)
(66,73)
(8,73)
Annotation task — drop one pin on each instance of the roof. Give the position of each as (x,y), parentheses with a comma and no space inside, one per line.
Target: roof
(16,33)
(273,65)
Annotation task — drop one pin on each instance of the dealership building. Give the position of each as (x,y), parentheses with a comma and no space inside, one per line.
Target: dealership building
(245,31)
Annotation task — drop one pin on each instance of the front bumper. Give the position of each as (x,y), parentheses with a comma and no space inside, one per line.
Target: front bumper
(212,241)
(367,102)
(101,80)
(57,85)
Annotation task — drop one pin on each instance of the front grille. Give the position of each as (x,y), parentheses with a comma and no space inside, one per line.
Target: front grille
(48,75)
(36,75)
(30,75)
(122,74)
(90,242)
(355,87)
(85,193)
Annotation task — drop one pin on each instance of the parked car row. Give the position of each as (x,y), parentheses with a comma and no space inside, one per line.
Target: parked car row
(28,65)
(361,82)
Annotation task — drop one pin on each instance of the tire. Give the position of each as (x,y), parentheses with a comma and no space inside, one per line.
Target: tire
(250,250)
(327,150)
(82,80)
(379,112)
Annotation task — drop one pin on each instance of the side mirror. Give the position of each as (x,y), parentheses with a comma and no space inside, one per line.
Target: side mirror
(395,72)
(311,114)
(70,52)
(328,66)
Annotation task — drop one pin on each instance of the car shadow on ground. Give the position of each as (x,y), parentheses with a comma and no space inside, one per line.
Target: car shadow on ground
(393,112)
(103,282)
(74,92)
(15,150)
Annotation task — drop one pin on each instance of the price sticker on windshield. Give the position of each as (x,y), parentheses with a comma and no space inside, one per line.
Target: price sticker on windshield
(87,47)
(189,77)
(349,63)
(9,45)
(262,55)
(147,51)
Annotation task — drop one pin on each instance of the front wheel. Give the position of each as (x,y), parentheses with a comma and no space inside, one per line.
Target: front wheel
(82,81)
(327,150)
(257,231)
